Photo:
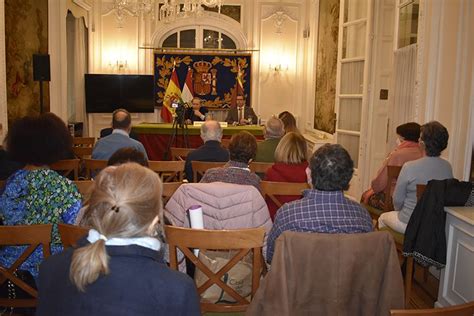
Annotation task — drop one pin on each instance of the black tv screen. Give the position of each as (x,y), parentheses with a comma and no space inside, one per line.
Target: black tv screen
(105,93)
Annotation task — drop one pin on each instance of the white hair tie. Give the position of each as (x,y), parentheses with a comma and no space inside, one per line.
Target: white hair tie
(94,235)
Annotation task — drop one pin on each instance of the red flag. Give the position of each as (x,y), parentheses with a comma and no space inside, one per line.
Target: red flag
(173,93)
(188,94)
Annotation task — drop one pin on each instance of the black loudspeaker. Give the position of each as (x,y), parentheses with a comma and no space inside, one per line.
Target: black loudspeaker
(41,68)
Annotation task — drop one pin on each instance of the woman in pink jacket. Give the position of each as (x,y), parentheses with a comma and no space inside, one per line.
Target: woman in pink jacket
(407,149)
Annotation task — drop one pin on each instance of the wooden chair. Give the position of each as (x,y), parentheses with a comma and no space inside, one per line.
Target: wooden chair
(83,141)
(70,234)
(273,189)
(2,184)
(260,167)
(178,153)
(225,142)
(82,152)
(392,175)
(169,171)
(84,187)
(67,166)
(410,264)
(457,310)
(169,188)
(200,168)
(33,236)
(243,240)
(420,189)
(93,166)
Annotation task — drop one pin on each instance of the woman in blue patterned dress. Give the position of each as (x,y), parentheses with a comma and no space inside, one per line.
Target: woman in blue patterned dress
(37,194)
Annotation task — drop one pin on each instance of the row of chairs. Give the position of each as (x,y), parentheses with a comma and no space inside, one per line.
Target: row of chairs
(169,170)
(241,241)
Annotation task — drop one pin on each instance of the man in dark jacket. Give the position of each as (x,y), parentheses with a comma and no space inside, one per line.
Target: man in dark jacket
(212,150)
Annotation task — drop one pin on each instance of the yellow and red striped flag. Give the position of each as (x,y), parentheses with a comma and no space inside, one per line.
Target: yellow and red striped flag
(172,94)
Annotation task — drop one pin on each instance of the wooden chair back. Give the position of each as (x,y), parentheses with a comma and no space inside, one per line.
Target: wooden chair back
(200,168)
(82,152)
(169,188)
(178,153)
(33,236)
(420,189)
(225,142)
(84,187)
(260,167)
(93,166)
(169,171)
(2,184)
(272,189)
(457,310)
(83,141)
(392,175)
(70,234)
(66,167)
(243,240)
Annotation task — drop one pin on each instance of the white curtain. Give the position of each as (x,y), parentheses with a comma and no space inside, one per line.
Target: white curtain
(77,67)
(403,107)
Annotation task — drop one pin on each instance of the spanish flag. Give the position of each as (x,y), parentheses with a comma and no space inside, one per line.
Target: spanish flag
(172,94)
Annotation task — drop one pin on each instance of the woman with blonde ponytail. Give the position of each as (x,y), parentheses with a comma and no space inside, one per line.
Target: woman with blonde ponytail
(117,269)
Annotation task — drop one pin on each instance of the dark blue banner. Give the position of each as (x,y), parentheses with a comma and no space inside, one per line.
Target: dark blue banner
(214,76)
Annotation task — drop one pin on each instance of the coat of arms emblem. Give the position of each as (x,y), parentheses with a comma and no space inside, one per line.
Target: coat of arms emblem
(203,77)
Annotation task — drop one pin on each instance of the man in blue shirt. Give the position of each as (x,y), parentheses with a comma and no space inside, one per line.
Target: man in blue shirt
(122,125)
(323,209)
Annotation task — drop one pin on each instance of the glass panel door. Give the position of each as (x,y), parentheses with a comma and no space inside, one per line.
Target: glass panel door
(352,68)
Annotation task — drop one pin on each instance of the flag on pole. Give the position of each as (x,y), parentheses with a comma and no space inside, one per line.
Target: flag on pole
(238,88)
(172,94)
(188,94)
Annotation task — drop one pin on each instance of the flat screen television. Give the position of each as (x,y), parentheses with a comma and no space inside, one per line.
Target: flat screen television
(106,93)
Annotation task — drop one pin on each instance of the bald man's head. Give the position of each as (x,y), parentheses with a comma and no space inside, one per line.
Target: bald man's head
(211,130)
(121,119)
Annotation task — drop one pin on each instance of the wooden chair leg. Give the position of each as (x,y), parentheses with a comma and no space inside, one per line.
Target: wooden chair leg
(408,280)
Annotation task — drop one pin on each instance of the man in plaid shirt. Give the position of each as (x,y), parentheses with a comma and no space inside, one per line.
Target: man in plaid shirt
(323,209)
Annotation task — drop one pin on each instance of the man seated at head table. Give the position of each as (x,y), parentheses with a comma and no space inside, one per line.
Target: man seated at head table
(324,208)
(241,114)
(196,112)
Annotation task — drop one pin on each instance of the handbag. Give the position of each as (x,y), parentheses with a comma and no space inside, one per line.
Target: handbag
(238,278)
(12,291)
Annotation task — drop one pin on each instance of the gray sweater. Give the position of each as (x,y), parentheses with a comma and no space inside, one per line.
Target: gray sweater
(417,172)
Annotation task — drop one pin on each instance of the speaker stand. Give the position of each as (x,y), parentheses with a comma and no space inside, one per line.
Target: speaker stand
(41,97)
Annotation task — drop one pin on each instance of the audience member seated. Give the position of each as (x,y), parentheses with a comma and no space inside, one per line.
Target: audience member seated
(118,269)
(212,150)
(196,112)
(242,149)
(323,209)
(122,125)
(290,164)
(36,194)
(289,122)
(241,114)
(273,132)
(433,140)
(224,206)
(407,149)
(127,154)
(108,130)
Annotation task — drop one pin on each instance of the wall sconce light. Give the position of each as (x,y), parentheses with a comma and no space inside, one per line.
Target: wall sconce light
(119,65)
(277,68)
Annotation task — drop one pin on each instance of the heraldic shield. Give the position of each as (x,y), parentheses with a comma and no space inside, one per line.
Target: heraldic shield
(202,77)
